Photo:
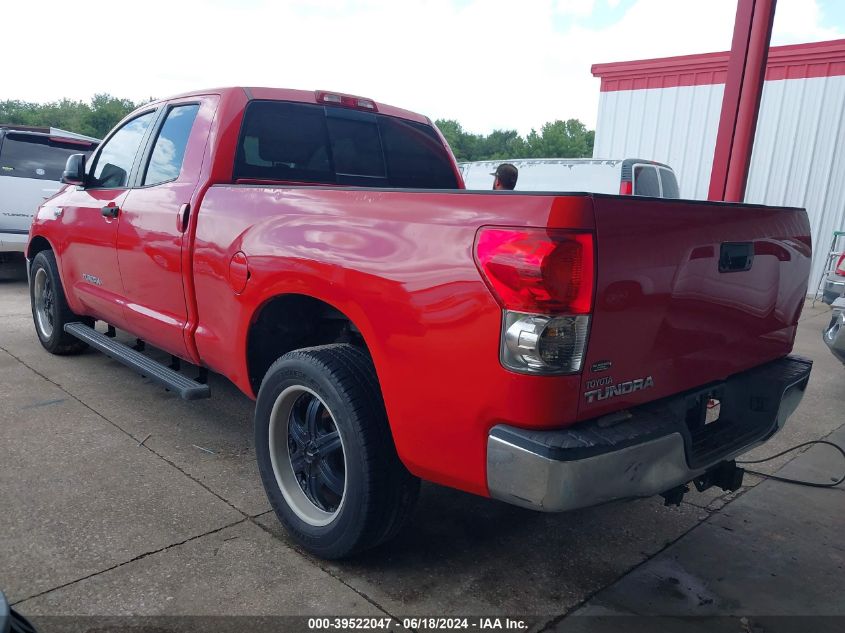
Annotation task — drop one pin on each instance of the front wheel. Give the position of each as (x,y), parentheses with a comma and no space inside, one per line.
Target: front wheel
(325,452)
(50,311)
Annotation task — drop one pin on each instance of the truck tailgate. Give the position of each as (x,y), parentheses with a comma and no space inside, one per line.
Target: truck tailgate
(688,293)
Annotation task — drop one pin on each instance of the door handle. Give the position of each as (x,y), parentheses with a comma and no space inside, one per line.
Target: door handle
(183,217)
(110,211)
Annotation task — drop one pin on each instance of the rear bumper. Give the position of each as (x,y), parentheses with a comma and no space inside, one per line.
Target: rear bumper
(833,288)
(835,282)
(659,446)
(834,333)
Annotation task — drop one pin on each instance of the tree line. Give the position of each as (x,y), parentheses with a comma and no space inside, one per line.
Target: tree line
(558,139)
(94,118)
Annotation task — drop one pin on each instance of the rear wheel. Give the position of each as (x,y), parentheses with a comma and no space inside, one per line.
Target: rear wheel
(50,311)
(325,452)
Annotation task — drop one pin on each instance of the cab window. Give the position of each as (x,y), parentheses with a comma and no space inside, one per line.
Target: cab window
(114,162)
(169,149)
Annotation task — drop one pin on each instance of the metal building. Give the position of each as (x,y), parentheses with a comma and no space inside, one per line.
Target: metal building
(668,110)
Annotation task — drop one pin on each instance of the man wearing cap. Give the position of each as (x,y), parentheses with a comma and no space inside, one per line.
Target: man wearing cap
(505,177)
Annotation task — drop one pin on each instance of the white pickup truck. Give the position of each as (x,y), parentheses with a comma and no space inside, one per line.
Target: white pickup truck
(624,176)
(31,163)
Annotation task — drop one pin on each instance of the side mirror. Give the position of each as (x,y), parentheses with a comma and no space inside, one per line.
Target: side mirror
(74,173)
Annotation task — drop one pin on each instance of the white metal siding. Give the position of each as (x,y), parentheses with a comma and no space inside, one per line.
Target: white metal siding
(676,126)
(794,162)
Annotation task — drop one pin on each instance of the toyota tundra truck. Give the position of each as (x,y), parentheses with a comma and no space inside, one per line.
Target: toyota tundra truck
(319,250)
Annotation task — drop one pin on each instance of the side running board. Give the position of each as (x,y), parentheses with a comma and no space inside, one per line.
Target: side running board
(174,381)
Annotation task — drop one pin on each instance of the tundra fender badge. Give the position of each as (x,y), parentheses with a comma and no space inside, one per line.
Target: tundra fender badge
(623,388)
(91,279)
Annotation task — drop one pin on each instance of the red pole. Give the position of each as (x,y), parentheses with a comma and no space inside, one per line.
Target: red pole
(741,101)
(749,101)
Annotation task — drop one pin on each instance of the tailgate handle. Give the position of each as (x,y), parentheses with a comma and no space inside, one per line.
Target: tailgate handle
(736,257)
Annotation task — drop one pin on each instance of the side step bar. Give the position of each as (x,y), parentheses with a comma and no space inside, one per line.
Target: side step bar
(174,381)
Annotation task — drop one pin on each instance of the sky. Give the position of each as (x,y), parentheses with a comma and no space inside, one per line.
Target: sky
(489,64)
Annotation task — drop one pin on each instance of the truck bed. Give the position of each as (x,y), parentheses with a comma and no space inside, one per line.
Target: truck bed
(400,264)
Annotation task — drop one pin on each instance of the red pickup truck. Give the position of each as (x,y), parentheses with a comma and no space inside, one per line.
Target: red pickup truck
(319,250)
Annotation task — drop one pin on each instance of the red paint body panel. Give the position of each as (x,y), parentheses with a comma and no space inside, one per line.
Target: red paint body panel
(399,264)
(85,245)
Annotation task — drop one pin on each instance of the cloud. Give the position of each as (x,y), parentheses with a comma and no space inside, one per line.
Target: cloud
(799,21)
(487,63)
(580,8)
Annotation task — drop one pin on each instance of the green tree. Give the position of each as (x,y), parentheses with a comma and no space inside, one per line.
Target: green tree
(93,119)
(561,139)
(106,111)
(558,139)
(464,145)
(503,144)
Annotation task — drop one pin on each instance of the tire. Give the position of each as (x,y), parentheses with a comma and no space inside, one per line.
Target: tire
(50,311)
(326,455)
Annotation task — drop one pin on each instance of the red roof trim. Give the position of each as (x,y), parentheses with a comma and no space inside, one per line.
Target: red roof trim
(797,61)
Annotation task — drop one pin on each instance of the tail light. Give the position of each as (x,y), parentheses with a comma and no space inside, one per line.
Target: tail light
(543,279)
(626,188)
(840,266)
(545,271)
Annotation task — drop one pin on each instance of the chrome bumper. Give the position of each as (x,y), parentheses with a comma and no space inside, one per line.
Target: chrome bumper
(651,452)
(833,289)
(834,333)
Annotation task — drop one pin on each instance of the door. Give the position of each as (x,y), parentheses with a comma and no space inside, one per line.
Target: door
(91,216)
(154,222)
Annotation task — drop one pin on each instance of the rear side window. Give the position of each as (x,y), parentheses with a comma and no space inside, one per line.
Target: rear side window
(356,147)
(297,142)
(169,149)
(39,157)
(415,155)
(114,162)
(646,182)
(669,183)
(284,141)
